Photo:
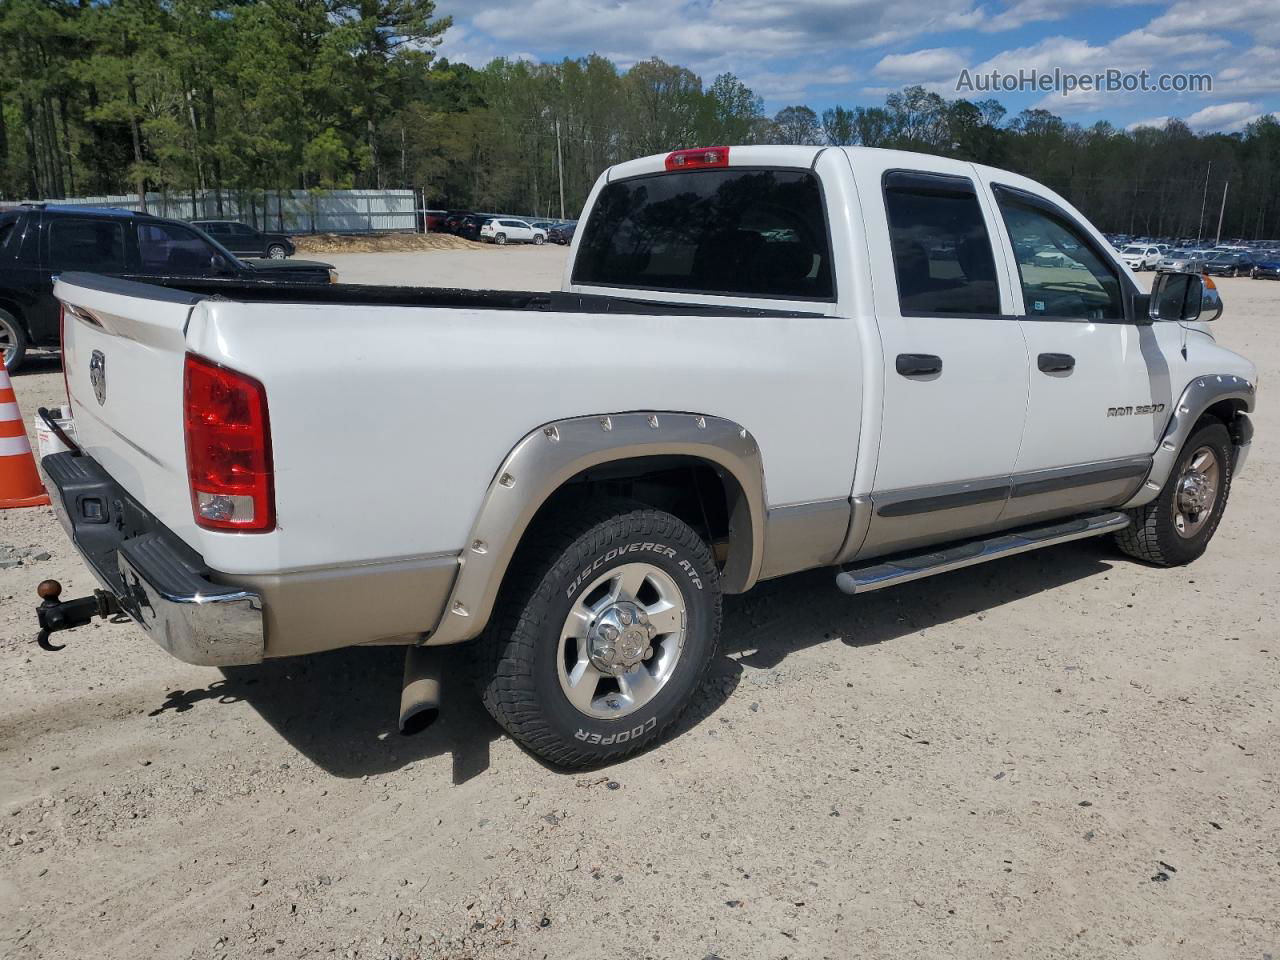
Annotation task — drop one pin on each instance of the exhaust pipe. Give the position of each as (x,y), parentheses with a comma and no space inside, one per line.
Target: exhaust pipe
(420,698)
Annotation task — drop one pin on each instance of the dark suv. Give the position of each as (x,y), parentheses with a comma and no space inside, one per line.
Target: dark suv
(244,241)
(37,243)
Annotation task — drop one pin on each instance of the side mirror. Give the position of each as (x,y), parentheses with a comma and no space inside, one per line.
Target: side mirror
(1186,297)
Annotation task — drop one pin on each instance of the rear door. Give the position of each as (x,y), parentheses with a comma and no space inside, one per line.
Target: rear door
(955,362)
(1100,381)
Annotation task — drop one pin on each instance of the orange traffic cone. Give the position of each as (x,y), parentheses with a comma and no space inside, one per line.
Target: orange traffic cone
(20,484)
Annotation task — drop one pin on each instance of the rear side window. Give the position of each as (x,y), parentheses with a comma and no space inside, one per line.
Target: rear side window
(734,232)
(1062,274)
(82,244)
(941,250)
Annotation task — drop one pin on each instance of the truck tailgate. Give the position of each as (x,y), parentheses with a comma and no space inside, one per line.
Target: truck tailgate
(123,354)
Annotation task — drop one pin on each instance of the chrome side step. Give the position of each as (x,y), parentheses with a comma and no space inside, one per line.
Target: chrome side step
(887,573)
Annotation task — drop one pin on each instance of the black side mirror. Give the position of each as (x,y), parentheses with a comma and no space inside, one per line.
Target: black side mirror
(1186,297)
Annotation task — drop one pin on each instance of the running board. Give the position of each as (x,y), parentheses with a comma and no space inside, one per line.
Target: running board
(888,573)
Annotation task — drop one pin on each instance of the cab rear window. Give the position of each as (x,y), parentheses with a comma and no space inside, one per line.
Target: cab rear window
(730,232)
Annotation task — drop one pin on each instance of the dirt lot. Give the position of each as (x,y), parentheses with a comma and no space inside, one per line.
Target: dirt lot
(1063,754)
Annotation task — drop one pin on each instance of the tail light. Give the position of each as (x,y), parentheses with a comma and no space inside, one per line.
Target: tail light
(698,158)
(228,448)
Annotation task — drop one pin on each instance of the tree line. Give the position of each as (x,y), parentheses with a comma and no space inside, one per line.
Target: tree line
(243,96)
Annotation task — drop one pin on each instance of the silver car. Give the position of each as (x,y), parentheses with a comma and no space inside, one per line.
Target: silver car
(1182,261)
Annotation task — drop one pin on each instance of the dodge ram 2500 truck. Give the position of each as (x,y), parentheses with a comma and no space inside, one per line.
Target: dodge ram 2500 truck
(763,360)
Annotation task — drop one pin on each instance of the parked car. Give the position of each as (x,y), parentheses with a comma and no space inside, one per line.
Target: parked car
(502,230)
(1267,266)
(583,512)
(1140,256)
(465,225)
(39,242)
(562,234)
(1181,261)
(1229,263)
(246,241)
(543,225)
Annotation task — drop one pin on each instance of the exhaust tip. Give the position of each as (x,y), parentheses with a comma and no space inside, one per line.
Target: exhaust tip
(418,718)
(420,697)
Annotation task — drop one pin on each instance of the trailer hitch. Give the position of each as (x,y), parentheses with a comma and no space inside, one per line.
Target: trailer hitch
(55,615)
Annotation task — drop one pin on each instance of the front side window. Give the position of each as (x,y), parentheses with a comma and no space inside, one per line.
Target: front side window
(1062,275)
(169,248)
(77,243)
(941,250)
(732,232)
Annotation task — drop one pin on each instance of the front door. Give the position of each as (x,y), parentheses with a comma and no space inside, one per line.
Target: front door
(955,365)
(1100,382)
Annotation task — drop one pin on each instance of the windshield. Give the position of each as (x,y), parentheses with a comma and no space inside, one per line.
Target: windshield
(1134,250)
(232,259)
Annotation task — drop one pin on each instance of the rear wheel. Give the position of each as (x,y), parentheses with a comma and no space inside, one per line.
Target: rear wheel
(605,629)
(500,238)
(1176,527)
(13,341)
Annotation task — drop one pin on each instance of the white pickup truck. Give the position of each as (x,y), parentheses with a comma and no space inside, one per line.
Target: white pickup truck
(763,360)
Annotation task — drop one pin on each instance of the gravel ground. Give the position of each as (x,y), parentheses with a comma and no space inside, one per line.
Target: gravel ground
(1065,754)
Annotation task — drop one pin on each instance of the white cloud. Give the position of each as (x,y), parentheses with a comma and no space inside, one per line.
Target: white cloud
(1225,117)
(1191,16)
(922,66)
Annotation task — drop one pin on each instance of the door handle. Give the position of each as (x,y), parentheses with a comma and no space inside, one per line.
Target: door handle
(918,364)
(1055,362)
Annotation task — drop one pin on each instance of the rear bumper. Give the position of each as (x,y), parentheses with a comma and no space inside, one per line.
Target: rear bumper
(160,582)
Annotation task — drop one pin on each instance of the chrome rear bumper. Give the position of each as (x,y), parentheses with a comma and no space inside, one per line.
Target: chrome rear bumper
(160,582)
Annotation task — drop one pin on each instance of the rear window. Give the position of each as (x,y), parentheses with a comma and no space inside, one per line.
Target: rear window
(743,232)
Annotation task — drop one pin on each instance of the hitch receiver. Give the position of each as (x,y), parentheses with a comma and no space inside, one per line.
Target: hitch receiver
(55,615)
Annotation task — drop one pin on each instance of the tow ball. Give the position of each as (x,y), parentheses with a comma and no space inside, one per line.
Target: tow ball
(55,615)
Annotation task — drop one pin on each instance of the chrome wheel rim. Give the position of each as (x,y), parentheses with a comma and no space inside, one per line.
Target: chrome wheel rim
(276,253)
(621,641)
(8,340)
(1196,492)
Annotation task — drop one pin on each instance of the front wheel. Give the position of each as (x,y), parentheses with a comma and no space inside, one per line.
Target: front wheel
(276,252)
(605,629)
(539,239)
(1176,527)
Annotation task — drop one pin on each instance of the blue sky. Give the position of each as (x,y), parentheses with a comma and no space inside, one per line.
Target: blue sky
(823,52)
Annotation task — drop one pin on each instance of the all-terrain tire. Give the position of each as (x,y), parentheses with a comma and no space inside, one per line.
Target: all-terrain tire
(519,650)
(1152,535)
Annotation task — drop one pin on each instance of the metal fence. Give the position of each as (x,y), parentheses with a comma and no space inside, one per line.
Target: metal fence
(280,211)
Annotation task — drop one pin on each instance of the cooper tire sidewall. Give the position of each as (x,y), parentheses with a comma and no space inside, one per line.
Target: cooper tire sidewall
(697,586)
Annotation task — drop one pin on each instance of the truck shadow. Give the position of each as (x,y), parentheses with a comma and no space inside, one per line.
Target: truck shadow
(338,709)
(780,617)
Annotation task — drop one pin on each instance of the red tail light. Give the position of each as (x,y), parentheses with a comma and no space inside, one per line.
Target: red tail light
(228,448)
(698,158)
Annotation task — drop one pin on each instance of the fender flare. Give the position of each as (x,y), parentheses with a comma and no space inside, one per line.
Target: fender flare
(1199,396)
(554,453)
